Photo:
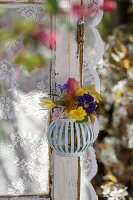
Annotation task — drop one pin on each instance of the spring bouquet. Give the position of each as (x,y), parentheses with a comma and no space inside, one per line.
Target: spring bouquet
(73,102)
(71,131)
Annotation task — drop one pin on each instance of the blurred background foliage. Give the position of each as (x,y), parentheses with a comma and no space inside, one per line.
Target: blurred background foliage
(38,40)
(114,147)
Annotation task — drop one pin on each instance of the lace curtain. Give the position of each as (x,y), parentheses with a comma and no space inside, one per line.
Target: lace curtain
(93,52)
(24,162)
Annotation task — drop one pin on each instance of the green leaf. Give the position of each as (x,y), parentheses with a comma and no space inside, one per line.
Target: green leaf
(54,95)
(2,10)
(51,6)
(31,41)
(24,26)
(82,121)
(29,62)
(5,35)
(60,103)
(112,61)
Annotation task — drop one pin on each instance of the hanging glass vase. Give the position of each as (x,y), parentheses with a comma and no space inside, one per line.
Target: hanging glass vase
(70,139)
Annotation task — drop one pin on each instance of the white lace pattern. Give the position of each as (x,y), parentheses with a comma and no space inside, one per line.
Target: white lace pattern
(24,162)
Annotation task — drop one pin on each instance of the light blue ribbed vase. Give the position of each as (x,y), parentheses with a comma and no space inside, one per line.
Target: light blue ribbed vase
(70,139)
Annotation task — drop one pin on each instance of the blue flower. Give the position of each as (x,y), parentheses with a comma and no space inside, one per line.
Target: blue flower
(87,102)
(64,87)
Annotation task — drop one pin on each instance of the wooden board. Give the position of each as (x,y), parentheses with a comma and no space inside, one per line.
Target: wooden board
(20,1)
(66,173)
(66,179)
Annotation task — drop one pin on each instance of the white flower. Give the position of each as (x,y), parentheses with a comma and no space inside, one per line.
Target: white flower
(114,195)
(115,57)
(118,194)
(130,73)
(120,86)
(130,135)
(122,192)
(114,192)
(108,156)
(112,141)
(47,103)
(118,114)
(106,190)
(103,122)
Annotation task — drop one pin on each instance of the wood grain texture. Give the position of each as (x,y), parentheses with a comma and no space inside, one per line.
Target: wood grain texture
(65,178)
(66,170)
(20,2)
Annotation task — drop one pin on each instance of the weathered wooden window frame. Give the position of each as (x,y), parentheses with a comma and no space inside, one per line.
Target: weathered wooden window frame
(64,173)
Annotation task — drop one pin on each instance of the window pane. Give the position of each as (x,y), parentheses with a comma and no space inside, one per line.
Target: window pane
(24,162)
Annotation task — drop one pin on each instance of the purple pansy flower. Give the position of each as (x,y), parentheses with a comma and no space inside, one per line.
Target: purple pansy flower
(64,87)
(87,102)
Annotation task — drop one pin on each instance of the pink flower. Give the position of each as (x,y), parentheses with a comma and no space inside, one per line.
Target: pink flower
(73,86)
(58,113)
(48,38)
(81,11)
(109,6)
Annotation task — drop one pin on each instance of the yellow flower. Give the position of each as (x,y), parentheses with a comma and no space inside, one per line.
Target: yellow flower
(78,114)
(95,95)
(118,95)
(83,90)
(126,63)
(47,103)
(112,177)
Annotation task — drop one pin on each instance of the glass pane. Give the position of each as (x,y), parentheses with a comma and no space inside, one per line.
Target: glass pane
(24,162)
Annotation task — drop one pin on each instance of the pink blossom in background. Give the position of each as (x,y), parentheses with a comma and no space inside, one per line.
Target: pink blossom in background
(109,6)
(81,11)
(58,113)
(49,38)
